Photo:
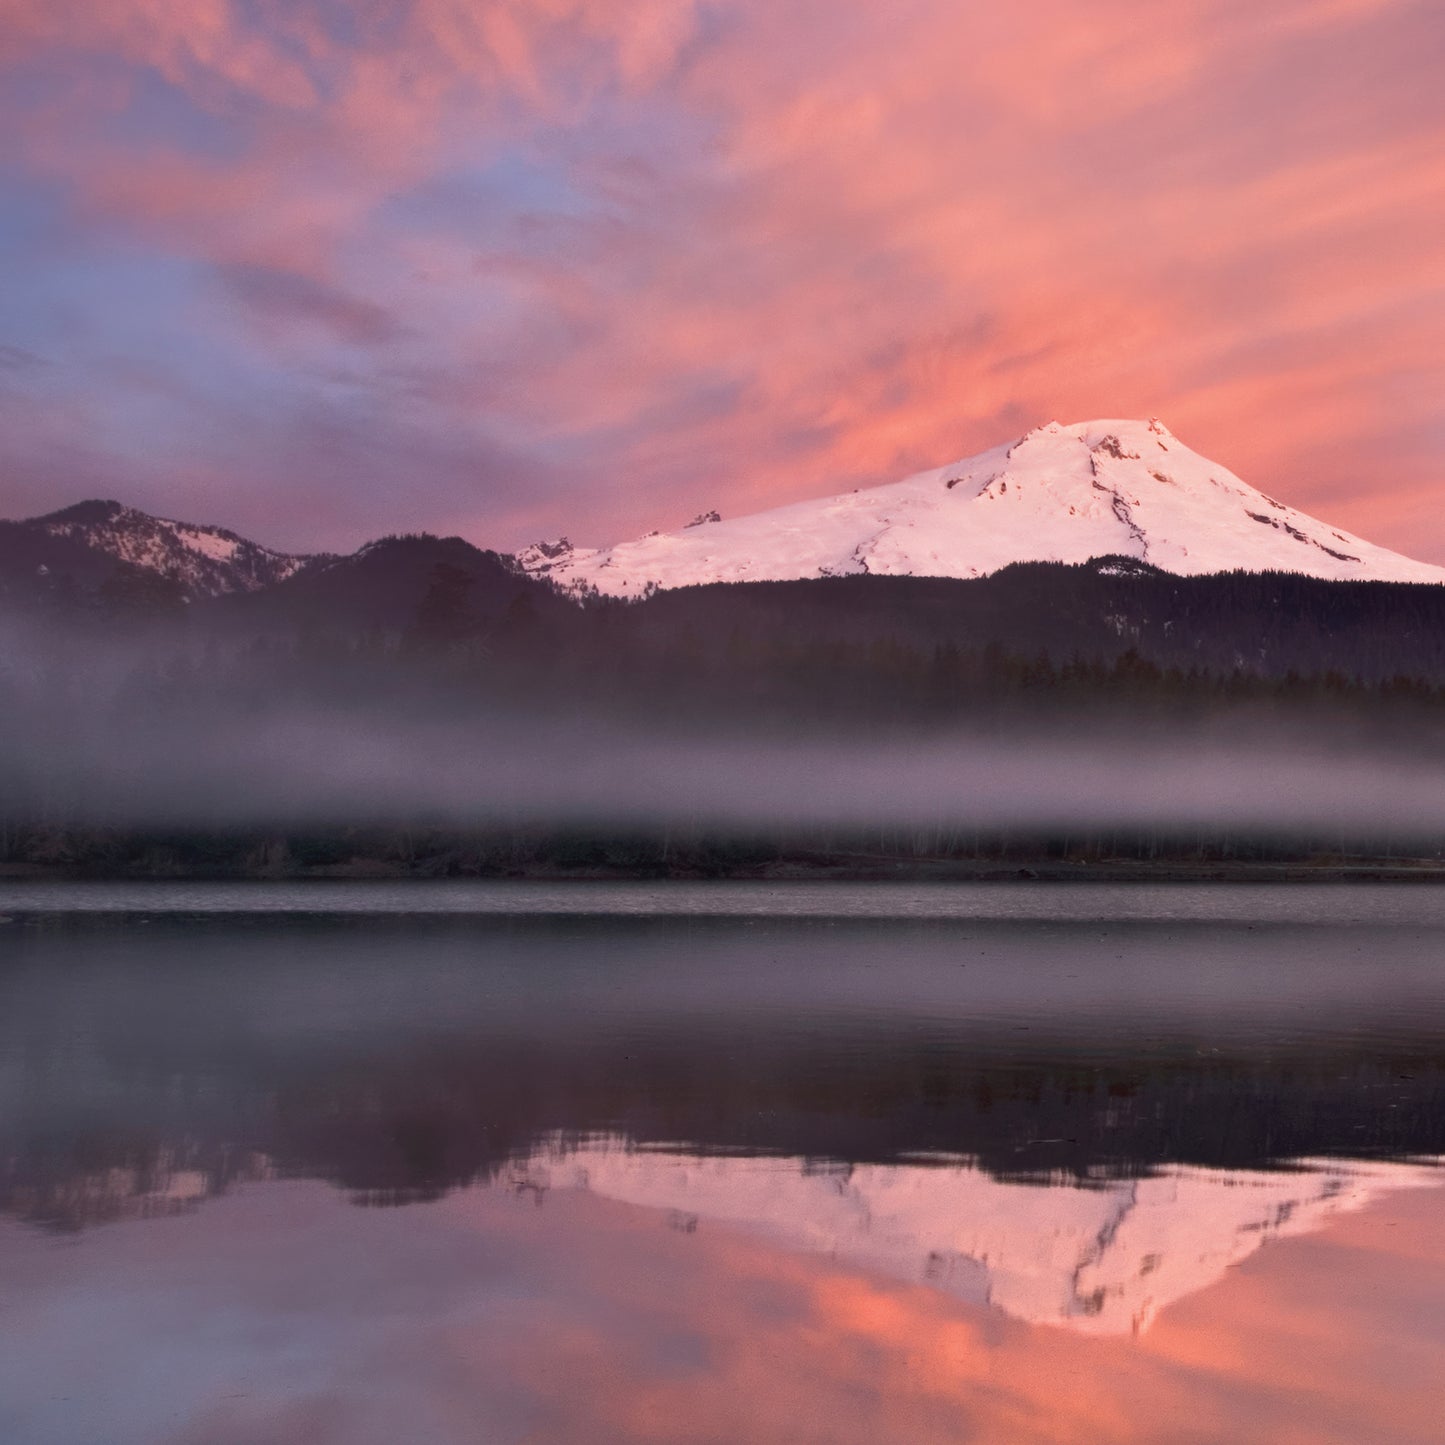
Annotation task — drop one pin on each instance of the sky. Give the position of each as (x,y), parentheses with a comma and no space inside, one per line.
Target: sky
(325,269)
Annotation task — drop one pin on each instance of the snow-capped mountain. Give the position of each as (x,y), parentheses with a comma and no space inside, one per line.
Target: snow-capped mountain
(202,561)
(1059,493)
(1103,1259)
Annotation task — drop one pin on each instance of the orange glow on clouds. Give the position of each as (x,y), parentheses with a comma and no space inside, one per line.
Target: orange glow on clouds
(594,266)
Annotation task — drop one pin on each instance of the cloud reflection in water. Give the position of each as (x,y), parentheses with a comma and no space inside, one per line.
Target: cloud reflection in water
(282,1315)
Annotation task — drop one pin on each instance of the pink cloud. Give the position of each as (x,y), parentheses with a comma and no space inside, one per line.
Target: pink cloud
(809,246)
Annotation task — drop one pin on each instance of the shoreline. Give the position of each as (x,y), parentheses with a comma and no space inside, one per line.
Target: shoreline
(843,871)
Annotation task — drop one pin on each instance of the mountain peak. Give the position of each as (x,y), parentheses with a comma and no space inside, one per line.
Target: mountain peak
(202,560)
(84,514)
(1114,487)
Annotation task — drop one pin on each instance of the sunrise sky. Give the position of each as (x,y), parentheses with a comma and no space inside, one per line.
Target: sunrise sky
(322,269)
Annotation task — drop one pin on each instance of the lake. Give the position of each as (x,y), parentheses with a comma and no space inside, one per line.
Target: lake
(454,1162)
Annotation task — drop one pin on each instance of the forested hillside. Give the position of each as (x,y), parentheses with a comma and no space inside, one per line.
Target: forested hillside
(423,706)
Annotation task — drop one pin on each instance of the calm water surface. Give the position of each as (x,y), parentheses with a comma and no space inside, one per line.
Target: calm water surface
(489,1162)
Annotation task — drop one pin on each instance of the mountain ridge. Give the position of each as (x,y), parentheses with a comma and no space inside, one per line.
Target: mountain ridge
(197,560)
(1122,498)
(1059,493)
(1124,492)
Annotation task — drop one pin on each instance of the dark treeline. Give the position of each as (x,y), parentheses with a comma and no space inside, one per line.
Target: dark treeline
(444,591)
(1263,624)
(1232,625)
(431,641)
(455,625)
(881,854)
(1044,646)
(1040,639)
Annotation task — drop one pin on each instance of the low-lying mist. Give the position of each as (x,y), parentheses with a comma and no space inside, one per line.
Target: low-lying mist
(124,738)
(315,767)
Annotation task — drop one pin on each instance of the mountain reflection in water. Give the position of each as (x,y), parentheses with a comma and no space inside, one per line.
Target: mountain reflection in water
(1073,1121)
(1104,1259)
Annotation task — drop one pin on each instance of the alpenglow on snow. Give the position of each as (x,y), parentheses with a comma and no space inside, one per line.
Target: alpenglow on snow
(1057,494)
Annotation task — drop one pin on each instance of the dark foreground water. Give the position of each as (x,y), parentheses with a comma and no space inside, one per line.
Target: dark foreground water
(461,1163)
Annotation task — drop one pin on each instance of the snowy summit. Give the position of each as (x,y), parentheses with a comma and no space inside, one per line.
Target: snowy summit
(1058,494)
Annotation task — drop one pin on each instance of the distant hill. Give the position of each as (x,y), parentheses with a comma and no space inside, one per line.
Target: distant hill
(96,542)
(440,587)
(103,561)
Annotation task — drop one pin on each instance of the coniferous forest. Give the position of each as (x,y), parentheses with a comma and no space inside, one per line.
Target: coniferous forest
(480,692)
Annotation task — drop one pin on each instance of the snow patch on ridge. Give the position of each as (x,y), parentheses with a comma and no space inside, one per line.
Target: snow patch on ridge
(202,561)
